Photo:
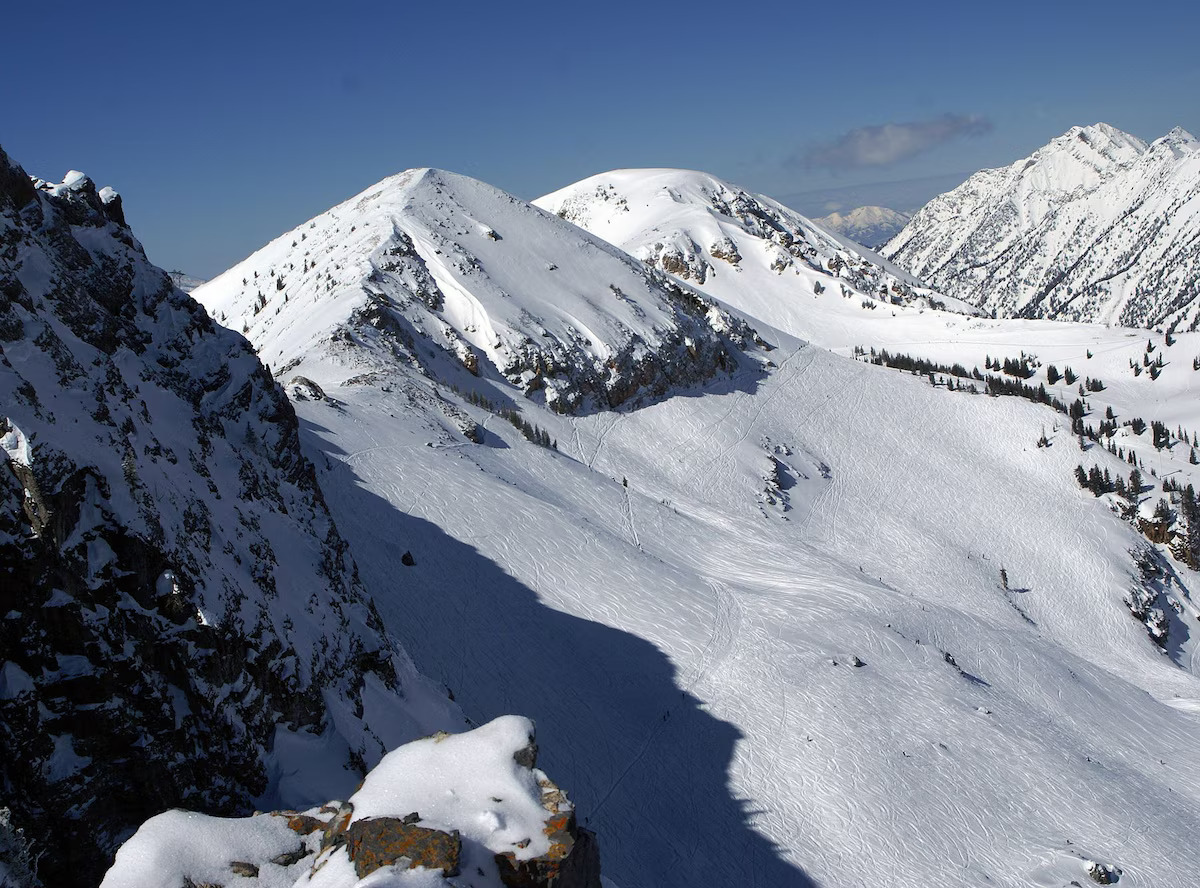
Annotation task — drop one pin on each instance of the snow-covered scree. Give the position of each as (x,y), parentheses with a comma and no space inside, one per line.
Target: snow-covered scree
(1095,226)
(469,810)
(428,264)
(180,620)
(762,623)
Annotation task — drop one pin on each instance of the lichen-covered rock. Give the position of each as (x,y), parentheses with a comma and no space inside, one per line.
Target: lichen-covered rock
(385,841)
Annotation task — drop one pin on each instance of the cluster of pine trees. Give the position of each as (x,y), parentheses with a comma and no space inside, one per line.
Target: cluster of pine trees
(1100,481)
(532,432)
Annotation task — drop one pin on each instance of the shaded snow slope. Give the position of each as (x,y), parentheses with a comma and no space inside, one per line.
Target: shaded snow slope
(180,621)
(870,226)
(751,253)
(429,258)
(1095,226)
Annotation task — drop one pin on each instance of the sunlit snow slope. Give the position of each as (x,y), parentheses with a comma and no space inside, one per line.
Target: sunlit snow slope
(761,622)
(1095,226)
(439,259)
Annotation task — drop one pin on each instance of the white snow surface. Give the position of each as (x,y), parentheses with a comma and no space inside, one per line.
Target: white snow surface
(791,273)
(15,445)
(1095,226)
(178,845)
(760,623)
(469,782)
(463,266)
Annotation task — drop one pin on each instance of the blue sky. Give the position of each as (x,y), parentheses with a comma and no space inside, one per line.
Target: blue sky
(225,124)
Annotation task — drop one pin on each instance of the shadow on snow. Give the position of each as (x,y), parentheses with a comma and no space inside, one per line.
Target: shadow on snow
(643,761)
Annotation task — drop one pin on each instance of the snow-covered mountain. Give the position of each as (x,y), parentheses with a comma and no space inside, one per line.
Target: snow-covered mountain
(184,281)
(180,620)
(747,251)
(1095,226)
(869,226)
(431,258)
(807,621)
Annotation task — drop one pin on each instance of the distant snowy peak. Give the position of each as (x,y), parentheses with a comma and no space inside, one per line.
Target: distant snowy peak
(498,285)
(1097,225)
(746,250)
(869,226)
(184,281)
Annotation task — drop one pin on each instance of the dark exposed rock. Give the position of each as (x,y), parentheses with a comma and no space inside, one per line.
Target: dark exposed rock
(407,559)
(573,860)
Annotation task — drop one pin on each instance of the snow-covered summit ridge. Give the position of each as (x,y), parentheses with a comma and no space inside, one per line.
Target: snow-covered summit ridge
(1097,225)
(750,252)
(505,288)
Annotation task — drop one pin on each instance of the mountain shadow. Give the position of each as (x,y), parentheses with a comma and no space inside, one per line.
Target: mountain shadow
(645,764)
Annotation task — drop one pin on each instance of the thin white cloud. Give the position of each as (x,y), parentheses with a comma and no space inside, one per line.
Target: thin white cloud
(890,143)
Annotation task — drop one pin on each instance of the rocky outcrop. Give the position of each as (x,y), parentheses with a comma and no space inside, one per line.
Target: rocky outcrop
(495,794)
(174,595)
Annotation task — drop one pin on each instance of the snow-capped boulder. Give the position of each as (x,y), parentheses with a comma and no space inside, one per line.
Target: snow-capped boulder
(470,804)
(495,285)
(180,621)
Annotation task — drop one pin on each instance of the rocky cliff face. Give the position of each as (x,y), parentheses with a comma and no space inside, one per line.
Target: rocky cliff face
(180,621)
(1095,226)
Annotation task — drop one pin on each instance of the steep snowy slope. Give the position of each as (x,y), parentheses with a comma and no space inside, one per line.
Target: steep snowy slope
(814,622)
(432,257)
(1095,226)
(749,252)
(180,622)
(869,226)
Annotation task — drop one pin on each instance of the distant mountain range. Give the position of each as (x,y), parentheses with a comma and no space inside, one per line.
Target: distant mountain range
(870,226)
(1095,226)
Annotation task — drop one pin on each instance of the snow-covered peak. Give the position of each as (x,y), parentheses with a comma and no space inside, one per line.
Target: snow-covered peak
(178,612)
(1101,141)
(1178,141)
(747,250)
(1092,226)
(869,226)
(502,287)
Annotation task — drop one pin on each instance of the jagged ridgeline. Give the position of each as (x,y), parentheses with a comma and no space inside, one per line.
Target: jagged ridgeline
(1095,226)
(180,622)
